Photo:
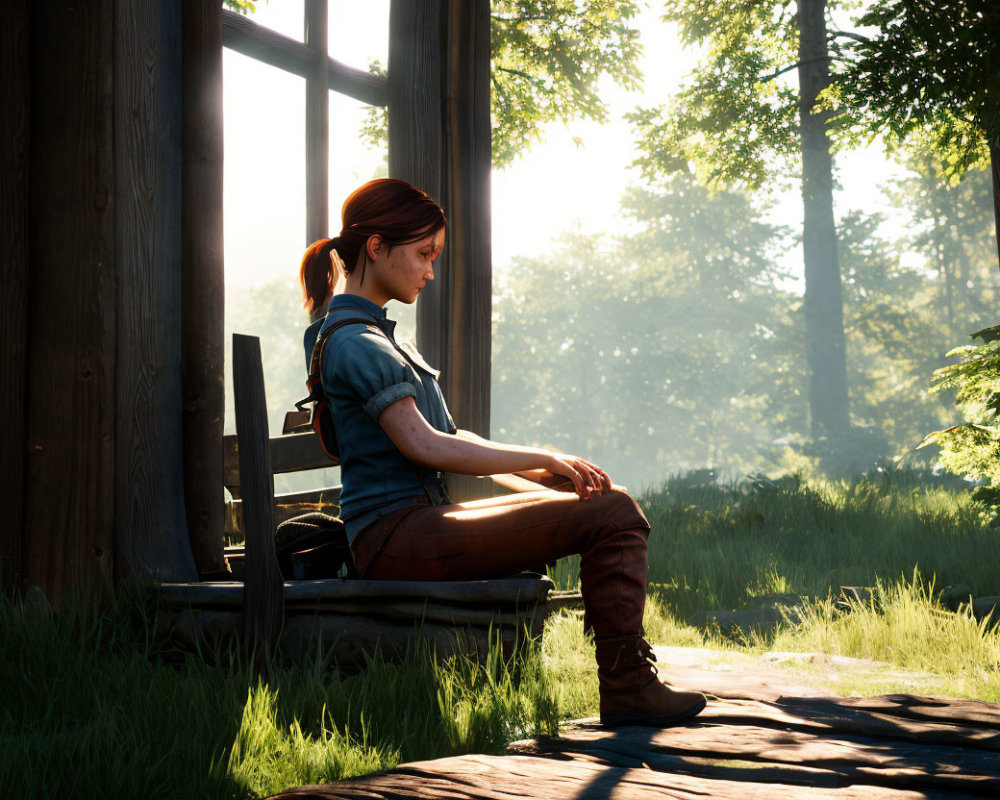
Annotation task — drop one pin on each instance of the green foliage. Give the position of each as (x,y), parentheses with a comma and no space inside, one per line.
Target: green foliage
(930,65)
(549,57)
(733,120)
(972,448)
(241,6)
(548,60)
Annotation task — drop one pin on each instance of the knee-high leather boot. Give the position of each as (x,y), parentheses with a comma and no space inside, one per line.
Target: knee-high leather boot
(613,578)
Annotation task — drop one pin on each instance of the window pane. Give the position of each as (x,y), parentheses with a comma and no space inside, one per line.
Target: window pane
(283,16)
(265,231)
(359,32)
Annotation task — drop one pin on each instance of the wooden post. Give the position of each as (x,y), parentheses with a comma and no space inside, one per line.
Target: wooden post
(203,282)
(71,353)
(151,537)
(317,125)
(14,61)
(466,318)
(439,140)
(263,609)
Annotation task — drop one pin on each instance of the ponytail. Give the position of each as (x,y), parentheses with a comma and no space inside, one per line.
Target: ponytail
(321,271)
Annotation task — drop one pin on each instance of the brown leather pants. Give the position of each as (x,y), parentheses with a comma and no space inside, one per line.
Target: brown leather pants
(501,536)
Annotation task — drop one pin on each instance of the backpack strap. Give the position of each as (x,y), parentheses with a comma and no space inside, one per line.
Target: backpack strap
(314,382)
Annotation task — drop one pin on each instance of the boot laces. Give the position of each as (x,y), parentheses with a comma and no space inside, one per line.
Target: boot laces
(646,652)
(643,649)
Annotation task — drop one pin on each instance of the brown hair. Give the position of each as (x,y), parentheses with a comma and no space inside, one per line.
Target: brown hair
(398,212)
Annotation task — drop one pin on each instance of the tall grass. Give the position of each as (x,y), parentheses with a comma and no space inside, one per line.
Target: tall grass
(902,624)
(92,704)
(718,547)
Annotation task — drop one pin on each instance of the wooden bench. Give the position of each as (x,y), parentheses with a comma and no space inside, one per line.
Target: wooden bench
(350,618)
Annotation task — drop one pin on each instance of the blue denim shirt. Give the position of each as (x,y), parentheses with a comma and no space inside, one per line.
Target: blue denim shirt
(363,374)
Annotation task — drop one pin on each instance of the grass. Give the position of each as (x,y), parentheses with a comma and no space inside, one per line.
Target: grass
(94,703)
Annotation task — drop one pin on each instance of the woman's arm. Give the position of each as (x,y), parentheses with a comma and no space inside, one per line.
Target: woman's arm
(531,480)
(469,454)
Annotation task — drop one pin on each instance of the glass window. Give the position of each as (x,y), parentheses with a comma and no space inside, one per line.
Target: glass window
(265,224)
(359,32)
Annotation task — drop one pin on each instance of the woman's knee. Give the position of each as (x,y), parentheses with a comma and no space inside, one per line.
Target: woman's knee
(622,509)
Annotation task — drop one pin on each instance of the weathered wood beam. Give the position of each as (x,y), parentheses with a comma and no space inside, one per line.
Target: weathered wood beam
(317,125)
(14,109)
(71,345)
(416,147)
(263,607)
(439,140)
(292,452)
(203,282)
(467,317)
(151,536)
(503,592)
(247,37)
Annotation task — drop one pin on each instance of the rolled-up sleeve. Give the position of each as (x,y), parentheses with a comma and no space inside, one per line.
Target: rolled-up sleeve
(371,367)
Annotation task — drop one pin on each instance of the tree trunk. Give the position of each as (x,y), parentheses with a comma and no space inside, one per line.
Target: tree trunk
(824,306)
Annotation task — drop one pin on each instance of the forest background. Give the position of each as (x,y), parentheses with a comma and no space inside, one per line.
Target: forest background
(672,339)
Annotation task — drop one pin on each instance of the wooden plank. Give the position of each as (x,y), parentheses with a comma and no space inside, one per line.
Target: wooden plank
(868,759)
(69,478)
(480,776)
(726,769)
(292,452)
(14,78)
(203,282)
(247,37)
(151,537)
(825,716)
(263,609)
(965,712)
(317,125)
(509,591)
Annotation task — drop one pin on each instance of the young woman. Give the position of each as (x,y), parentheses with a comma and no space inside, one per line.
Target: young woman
(396,437)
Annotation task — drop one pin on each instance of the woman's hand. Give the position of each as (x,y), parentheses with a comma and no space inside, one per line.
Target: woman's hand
(587,478)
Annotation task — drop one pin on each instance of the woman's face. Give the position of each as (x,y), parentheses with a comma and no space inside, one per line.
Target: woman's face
(402,271)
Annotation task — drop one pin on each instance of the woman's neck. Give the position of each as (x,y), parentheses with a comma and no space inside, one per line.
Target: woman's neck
(366,290)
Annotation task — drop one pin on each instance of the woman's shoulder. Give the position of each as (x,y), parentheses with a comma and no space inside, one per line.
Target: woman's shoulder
(360,343)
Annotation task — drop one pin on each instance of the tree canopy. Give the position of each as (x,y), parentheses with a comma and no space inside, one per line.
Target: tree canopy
(926,66)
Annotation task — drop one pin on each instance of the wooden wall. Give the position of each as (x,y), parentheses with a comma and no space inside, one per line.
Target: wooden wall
(70,475)
(93,451)
(14,82)
(439,140)
(150,521)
